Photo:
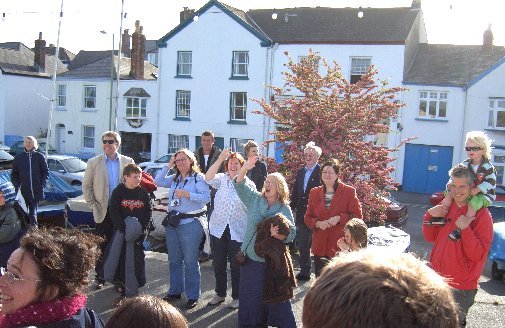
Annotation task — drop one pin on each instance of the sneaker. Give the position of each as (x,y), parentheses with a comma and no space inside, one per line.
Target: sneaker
(234,304)
(191,303)
(98,285)
(216,300)
(118,301)
(170,297)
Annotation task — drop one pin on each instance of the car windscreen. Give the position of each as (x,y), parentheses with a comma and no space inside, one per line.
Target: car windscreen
(74,165)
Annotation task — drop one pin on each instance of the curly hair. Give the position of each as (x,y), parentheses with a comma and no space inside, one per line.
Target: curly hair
(146,311)
(482,140)
(372,289)
(64,258)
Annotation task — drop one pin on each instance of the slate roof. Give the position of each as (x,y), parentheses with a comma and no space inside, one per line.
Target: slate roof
(85,57)
(150,46)
(447,64)
(137,92)
(16,58)
(336,25)
(101,69)
(63,54)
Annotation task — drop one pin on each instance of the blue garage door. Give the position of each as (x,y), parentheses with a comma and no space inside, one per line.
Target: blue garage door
(425,168)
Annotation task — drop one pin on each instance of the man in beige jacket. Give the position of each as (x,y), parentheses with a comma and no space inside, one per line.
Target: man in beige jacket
(103,174)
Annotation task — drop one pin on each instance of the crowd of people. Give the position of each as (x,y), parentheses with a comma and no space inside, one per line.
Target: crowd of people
(227,207)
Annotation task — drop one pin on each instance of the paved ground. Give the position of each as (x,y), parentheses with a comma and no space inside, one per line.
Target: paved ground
(488,310)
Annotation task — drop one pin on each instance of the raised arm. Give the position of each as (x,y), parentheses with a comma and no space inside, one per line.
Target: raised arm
(248,165)
(161,179)
(211,172)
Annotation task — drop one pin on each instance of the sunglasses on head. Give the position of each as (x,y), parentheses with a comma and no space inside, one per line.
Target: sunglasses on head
(472,148)
(110,142)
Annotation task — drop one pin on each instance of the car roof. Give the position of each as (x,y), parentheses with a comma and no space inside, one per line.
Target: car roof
(60,157)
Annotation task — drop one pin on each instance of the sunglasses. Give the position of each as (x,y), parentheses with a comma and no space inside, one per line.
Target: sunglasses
(472,148)
(11,278)
(110,142)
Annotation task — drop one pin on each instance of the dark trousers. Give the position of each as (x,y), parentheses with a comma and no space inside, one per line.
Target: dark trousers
(304,242)
(253,312)
(104,230)
(319,263)
(224,251)
(33,206)
(464,299)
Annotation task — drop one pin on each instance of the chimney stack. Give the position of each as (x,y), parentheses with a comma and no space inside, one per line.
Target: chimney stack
(39,61)
(137,53)
(488,37)
(186,14)
(125,44)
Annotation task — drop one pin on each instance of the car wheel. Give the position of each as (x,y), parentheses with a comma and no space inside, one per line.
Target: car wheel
(495,272)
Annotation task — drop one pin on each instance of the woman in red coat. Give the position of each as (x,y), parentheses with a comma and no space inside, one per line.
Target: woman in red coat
(329,208)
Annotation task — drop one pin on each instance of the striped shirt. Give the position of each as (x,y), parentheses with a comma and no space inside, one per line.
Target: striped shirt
(484,177)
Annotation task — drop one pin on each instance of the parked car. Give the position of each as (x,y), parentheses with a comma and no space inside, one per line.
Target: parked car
(5,160)
(396,213)
(162,160)
(19,147)
(152,170)
(69,168)
(4,147)
(437,196)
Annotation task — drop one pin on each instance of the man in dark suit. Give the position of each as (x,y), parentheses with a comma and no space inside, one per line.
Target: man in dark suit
(307,178)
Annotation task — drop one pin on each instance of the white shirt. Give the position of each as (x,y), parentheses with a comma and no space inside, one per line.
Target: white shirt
(228,209)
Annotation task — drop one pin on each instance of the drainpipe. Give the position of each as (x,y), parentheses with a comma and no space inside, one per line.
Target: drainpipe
(268,93)
(463,133)
(158,115)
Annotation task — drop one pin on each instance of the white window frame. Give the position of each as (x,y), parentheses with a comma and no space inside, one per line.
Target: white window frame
(499,165)
(176,142)
(184,66)
(237,144)
(234,106)
(62,96)
(496,113)
(91,97)
(359,67)
(240,64)
(88,139)
(140,106)
(183,104)
(437,99)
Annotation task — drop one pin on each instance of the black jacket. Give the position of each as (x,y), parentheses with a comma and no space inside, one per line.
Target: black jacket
(30,173)
(300,197)
(85,318)
(258,175)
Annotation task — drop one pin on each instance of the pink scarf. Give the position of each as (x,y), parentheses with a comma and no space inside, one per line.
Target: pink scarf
(44,312)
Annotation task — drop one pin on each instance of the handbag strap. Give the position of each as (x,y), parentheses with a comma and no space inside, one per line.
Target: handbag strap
(245,249)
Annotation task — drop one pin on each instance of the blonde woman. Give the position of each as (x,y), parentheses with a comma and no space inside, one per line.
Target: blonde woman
(273,200)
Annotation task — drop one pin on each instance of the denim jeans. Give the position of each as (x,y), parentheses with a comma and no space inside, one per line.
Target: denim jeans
(184,269)
(224,251)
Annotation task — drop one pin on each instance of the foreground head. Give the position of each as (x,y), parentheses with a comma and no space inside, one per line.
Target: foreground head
(356,234)
(276,188)
(368,289)
(30,143)
(207,141)
(460,183)
(311,153)
(251,149)
(185,162)
(111,141)
(478,145)
(50,264)
(146,311)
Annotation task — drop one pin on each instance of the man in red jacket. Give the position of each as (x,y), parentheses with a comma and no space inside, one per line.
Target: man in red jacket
(459,261)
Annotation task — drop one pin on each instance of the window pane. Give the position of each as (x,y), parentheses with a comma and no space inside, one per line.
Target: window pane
(423,94)
(501,103)
(499,175)
(491,103)
(499,159)
(422,108)
(442,109)
(490,119)
(500,119)
(433,109)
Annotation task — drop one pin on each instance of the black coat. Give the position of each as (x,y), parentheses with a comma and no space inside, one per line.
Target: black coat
(300,197)
(85,318)
(258,175)
(30,173)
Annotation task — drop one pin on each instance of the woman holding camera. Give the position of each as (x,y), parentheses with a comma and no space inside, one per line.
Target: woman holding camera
(227,224)
(185,224)
(273,199)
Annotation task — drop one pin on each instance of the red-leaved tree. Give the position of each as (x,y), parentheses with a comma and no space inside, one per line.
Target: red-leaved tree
(339,117)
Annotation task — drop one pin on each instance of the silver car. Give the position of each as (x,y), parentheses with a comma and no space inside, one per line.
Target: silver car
(69,168)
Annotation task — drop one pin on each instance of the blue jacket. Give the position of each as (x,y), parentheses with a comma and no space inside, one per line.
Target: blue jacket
(30,173)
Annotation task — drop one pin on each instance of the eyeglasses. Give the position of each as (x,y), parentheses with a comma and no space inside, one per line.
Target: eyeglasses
(181,160)
(110,142)
(472,148)
(11,278)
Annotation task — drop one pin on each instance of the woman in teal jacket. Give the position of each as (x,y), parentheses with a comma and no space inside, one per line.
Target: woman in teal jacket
(273,199)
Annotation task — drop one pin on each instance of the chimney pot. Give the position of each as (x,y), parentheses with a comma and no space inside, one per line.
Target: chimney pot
(39,60)
(186,14)
(125,44)
(487,42)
